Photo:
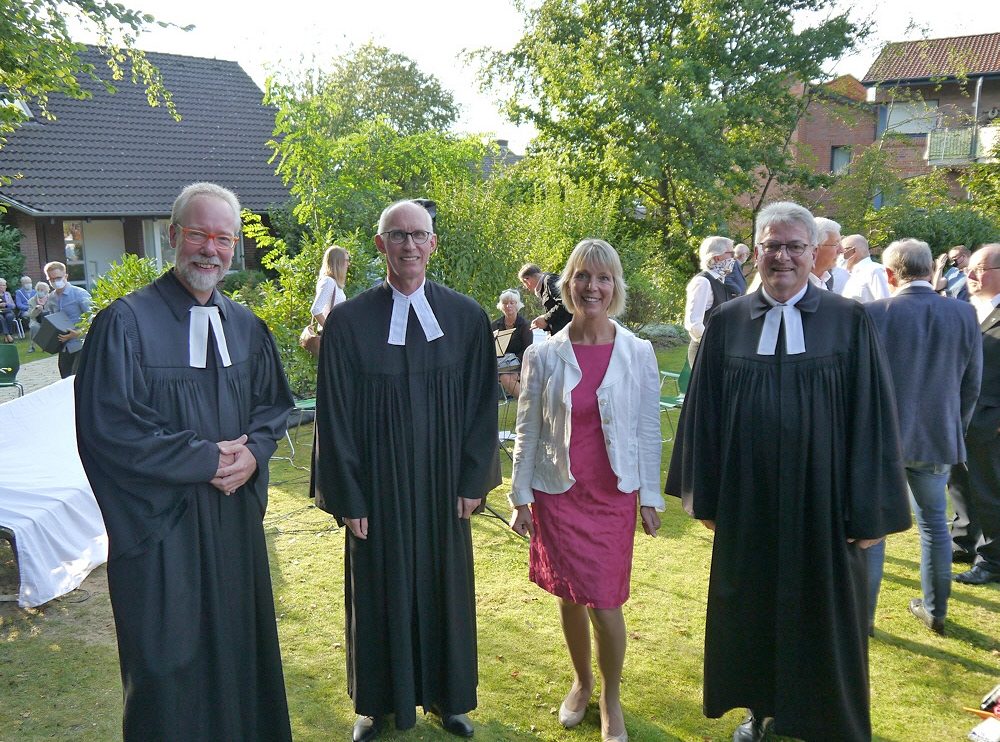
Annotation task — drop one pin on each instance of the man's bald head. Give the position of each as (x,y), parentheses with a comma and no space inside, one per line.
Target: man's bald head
(855,249)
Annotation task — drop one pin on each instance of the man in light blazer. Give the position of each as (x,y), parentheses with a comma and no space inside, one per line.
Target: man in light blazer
(982,440)
(935,352)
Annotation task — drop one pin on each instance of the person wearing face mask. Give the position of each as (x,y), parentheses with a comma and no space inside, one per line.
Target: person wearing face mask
(6,312)
(74,302)
(38,307)
(707,291)
(21,298)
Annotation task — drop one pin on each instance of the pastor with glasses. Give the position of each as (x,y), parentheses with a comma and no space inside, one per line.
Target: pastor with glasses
(788,450)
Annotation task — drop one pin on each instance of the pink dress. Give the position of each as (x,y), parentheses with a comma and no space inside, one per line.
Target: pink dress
(582,547)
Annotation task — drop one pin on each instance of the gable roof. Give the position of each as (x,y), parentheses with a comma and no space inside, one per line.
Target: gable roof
(925,59)
(114,155)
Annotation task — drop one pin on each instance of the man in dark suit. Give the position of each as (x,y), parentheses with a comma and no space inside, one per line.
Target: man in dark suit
(934,349)
(982,439)
(735,279)
(546,287)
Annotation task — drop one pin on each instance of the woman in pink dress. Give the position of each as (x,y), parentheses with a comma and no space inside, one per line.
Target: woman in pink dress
(588,441)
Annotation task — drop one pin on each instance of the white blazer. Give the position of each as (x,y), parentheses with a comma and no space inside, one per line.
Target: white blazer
(630,418)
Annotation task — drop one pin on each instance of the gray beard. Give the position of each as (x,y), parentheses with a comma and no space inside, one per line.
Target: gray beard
(196,279)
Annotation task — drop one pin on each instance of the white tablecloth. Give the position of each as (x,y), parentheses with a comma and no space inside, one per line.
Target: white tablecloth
(45,498)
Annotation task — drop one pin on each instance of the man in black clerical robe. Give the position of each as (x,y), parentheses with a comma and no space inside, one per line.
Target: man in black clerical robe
(788,449)
(180,402)
(405,449)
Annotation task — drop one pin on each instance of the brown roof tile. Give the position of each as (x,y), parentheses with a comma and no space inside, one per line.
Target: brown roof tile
(929,58)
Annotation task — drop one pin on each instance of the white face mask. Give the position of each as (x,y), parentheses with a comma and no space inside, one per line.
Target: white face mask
(59,283)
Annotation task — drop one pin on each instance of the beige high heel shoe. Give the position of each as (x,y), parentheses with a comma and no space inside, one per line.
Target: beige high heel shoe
(569,718)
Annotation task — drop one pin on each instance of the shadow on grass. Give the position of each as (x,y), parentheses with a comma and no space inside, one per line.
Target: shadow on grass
(941,655)
(958,593)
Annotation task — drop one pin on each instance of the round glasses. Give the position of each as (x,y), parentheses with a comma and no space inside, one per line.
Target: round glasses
(398,236)
(794,249)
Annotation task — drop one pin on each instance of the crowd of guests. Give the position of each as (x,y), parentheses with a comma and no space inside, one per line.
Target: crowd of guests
(805,438)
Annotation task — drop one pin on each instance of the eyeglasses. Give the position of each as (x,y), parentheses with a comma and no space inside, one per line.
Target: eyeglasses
(977,271)
(398,236)
(794,249)
(198,238)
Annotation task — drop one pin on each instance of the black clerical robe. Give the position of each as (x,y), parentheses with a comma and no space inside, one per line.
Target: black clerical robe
(791,456)
(401,433)
(188,573)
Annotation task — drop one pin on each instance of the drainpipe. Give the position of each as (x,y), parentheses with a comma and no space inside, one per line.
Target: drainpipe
(974,139)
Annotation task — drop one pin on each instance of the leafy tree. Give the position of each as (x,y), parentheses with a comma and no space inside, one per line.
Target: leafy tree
(675,103)
(940,227)
(11,259)
(123,277)
(38,57)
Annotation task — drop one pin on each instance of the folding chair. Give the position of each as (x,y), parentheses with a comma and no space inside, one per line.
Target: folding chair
(670,402)
(10,364)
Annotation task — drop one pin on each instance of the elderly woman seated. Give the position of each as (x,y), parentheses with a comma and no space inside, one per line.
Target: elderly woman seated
(513,335)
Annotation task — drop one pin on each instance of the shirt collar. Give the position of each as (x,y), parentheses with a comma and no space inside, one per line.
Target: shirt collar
(401,304)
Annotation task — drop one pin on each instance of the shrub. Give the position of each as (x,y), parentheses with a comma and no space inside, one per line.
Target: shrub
(237,280)
(11,259)
(122,278)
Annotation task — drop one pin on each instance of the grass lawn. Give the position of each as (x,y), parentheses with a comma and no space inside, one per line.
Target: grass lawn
(59,674)
(24,355)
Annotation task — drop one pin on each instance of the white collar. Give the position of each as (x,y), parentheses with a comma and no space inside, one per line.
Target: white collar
(795,342)
(198,336)
(985,307)
(401,304)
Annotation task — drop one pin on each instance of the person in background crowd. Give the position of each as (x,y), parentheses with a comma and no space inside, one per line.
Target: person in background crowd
(38,307)
(6,312)
(180,403)
(931,343)
(867,281)
(546,287)
(949,273)
(826,274)
(330,283)
(707,291)
(735,279)
(509,361)
(793,497)
(588,441)
(982,439)
(74,302)
(21,298)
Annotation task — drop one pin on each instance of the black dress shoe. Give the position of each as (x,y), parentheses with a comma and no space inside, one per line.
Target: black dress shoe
(457,724)
(978,575)
(960,556)
(753,729)
(366,728)
(934,624)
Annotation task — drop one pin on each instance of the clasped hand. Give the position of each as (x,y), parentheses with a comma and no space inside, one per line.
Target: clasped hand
(236,465)
(520,521)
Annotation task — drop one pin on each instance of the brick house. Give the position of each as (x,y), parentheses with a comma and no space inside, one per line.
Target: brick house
(99,181)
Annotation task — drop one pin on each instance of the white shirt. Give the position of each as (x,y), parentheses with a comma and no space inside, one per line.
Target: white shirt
(867,283)
(985,307)
(328,295)
(699,301)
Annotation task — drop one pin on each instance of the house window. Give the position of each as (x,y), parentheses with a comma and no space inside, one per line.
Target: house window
(915,117)
(76,269)
(840,158)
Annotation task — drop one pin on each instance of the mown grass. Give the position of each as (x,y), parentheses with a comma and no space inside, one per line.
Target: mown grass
(57,684)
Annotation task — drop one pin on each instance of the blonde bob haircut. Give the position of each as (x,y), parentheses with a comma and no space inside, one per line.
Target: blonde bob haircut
(597,254)
(335,261)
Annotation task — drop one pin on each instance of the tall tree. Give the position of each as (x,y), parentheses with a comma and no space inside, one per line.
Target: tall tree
(38,57)
(680,102)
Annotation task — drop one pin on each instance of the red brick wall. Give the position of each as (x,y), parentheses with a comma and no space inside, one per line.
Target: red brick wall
(29,244)
(828,124)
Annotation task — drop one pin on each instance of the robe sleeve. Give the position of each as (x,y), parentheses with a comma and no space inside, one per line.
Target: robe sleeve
(336,478)
(876,502)
(527,336)
(272,402)
(694,473)
(480,447)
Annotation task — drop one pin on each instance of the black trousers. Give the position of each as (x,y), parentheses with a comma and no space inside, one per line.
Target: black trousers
(965,530)
(68,363)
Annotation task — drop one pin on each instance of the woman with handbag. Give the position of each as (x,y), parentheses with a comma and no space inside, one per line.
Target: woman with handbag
(329,293)
(587,448)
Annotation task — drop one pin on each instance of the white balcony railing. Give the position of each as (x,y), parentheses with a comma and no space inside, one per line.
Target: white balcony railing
(961,145)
